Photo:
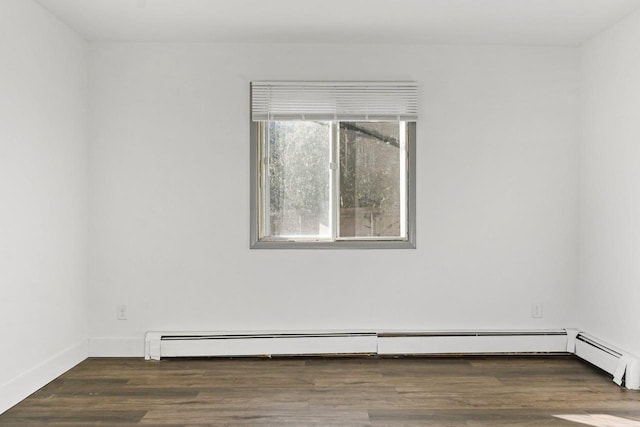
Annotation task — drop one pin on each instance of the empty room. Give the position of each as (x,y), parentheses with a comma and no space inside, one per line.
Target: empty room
(320,212)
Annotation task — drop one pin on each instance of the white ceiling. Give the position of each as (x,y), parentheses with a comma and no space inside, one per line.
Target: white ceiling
(532,22)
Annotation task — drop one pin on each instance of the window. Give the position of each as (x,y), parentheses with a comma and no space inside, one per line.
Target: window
(333,165)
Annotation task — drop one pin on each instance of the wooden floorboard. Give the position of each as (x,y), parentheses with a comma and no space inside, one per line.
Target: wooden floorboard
(477,391)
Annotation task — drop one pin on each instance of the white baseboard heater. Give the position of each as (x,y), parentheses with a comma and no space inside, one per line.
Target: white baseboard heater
(211,344)
(468,342)
(623,366)
(171,344)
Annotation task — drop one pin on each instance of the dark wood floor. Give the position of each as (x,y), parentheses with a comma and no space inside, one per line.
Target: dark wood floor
(482,391)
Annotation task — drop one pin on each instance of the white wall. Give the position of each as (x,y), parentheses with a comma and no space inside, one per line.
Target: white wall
(609,283)
(43,200)
(497,199)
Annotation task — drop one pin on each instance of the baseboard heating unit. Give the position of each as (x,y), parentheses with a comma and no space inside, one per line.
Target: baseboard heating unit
(468,342)
(624,367)
(163,344)
(211,344)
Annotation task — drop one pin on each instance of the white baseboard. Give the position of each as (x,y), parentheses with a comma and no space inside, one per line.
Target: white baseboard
(159,344)
(624,366)
(116,347)
(25,384)
(439,343)
(176,344)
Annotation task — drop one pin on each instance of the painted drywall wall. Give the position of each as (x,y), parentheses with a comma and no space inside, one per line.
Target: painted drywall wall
(496,194)
(609,280)
(43,199)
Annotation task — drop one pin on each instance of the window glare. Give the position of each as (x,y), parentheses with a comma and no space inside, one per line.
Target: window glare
(298,179)
(370,180)
(334,184)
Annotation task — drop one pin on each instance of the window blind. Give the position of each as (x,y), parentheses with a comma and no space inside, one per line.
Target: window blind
(334,101)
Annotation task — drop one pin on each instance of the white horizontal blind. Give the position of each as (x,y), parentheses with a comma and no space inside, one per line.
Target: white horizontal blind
(334,101)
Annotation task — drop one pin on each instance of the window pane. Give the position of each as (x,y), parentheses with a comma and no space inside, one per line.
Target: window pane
(371,186)
(298,179)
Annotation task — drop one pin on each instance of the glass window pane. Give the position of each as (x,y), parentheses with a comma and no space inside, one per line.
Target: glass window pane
(371,187)
(298,179)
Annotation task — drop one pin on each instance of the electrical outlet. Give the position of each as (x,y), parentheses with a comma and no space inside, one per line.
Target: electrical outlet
(122,312)
(536,310)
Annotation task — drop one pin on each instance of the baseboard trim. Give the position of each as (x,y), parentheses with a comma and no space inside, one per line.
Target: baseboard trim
(27,383)
(116,347)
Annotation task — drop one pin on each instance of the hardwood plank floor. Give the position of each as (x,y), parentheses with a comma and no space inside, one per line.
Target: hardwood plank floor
(476,391)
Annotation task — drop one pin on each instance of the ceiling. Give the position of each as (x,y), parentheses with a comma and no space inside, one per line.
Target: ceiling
(528,22)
